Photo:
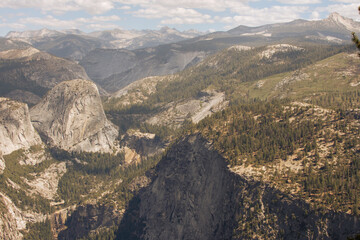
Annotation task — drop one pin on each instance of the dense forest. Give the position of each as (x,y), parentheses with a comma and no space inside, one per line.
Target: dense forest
(323,143)
(224,72)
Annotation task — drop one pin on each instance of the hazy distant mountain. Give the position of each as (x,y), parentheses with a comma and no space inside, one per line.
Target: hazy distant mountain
(72,44)
(133,39)
(334,29)
(33,34)
(7,44)
(114,69)
(75,44)
(30,73)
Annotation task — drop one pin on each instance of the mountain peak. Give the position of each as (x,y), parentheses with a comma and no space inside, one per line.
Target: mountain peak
(334,16)
(348,23)
(44,32)
(168,30)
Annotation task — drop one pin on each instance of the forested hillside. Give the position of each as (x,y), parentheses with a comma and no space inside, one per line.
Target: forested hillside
(227,70)
(292,121)
(241,74)
(304,149)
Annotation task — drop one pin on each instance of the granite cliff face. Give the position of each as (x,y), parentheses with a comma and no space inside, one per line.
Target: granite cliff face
(71,117)
(87,219)
(16,130)
(145,144)
(194,196)
(2,164)
(13,220)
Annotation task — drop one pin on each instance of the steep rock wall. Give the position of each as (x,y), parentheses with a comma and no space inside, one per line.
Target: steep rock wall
(195,196)
(89,218)
(16,130)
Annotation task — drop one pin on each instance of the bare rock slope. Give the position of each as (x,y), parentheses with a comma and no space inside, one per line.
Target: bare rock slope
(16,130)
(72,118)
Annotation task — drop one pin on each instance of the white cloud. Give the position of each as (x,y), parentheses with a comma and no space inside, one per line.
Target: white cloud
(256,17)
(178,11)
(61,6)
(315,15)
(161,12)
(124,7)
(96,26)
(346,1)
(177,15)
(186,12)
(213,5)
(346,10)
(96,22)
(188,20)
(95,6)
(299,2)
(17,26)
(105,18)
(51,22)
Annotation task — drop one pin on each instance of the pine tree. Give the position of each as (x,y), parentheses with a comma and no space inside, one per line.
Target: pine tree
(355,38)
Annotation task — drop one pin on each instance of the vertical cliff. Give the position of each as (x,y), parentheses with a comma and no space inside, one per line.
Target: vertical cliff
(195,196)
(16,130)
(2,164)
(89,219)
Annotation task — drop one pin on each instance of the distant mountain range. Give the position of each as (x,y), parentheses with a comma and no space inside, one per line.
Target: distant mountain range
(114,69)
(167,51)
(74,44)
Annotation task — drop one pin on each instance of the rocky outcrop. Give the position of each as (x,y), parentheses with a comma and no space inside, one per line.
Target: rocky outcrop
(191,197)
(16,131)
(46,183)
(145,144)
(87,219)
(13,220)
(194,196)
(71,117)
(175,113)
(58,219)
(2,164)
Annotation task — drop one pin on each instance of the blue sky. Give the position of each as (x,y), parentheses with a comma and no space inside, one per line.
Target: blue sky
(204,15)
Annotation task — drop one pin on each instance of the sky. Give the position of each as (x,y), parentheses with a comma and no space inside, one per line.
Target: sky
(203,15)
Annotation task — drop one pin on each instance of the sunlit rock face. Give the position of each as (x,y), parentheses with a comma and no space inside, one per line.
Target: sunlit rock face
(16,131)
(71,117)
